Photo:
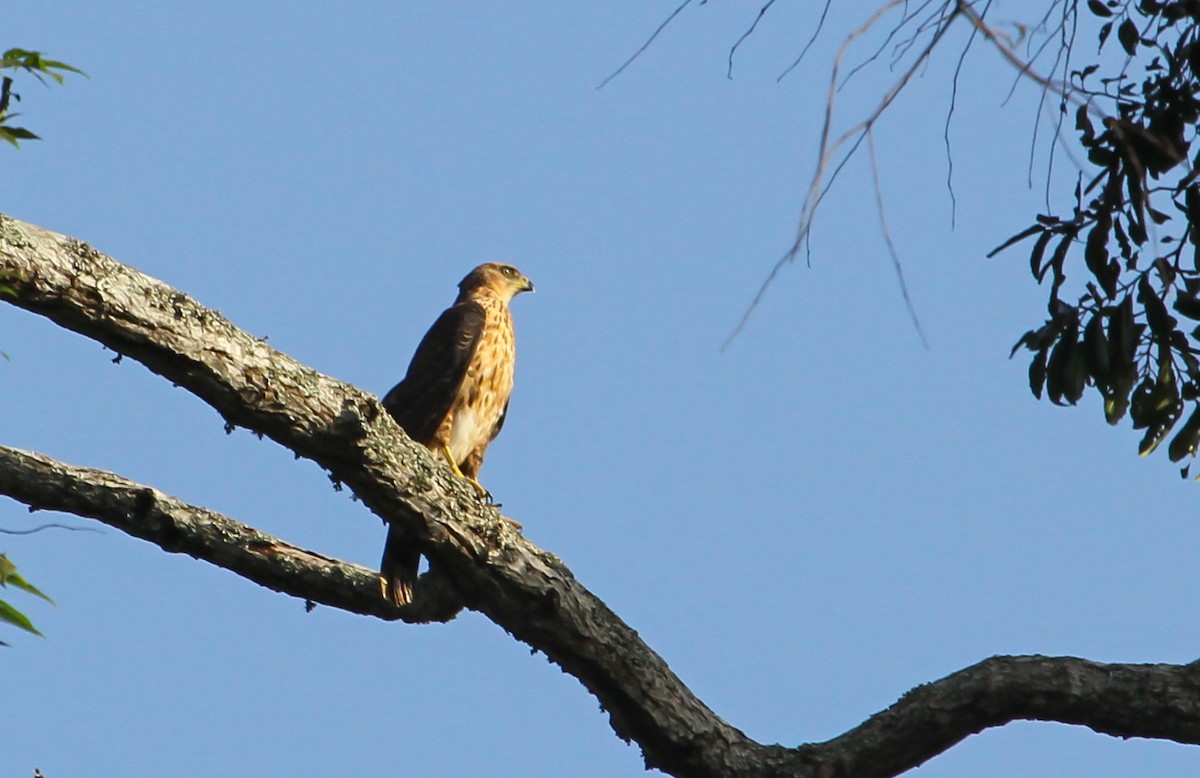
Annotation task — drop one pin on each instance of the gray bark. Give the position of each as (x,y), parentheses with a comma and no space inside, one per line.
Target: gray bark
(478,560)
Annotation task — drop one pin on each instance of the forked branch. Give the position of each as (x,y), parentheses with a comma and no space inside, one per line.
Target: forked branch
(43,483)
(480,558)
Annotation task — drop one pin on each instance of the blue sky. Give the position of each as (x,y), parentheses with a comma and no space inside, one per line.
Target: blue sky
(805,525)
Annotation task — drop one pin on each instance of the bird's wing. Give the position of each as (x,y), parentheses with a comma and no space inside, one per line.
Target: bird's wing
(499,423)
(421,401)
(419,404)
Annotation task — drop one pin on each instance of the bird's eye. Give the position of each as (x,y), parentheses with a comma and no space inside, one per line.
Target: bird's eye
(508,271)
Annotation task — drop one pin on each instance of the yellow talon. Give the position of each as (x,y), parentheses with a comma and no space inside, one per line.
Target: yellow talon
(453,465)
(479,489)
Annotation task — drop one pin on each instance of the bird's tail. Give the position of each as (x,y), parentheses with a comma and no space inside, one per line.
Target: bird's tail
(399,567)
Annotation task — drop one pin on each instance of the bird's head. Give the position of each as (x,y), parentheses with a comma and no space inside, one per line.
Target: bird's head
(497,278)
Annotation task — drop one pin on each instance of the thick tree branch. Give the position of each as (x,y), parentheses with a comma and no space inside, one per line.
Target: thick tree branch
(1151,701)
(525,590)
(144,512)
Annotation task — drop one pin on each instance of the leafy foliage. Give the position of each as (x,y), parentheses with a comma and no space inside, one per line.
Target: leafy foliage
(35,64)
(9,577)
(1130,328)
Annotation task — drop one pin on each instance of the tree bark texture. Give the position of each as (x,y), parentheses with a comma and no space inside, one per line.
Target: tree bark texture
(478,559)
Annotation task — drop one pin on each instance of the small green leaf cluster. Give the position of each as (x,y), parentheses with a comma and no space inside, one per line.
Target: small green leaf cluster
(1136,226)
(9,577)
(32,63)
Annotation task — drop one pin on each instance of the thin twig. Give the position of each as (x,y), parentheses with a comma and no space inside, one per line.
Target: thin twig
(4,531)
(1030,58)
(891,247)
(931,22)
(818,187)
(1023,67)
(733,50)
(812,39)
(950,115)
(1063,55)
(645,45)
(907,17)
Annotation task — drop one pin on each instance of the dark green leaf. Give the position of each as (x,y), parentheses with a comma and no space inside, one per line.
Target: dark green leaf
(1122,336)
(1083,123)
(15,135)
(1035,256)
(1188,306)
(1193,59)
(1037,374)
(1166,389)
(54,64)
(1095,350)
(1154,435)
(1099,9)
(1116,399)
(10,577)
(1026,340)
(1095,255)
(20,133)
(1057,259)
(1161,322)
(10,615)
(1191,364)
(1020,236)
(1137,227)
(15,580)
(1065,369)
(1123,241)
(1156,406)
(1141,407)
(1191,199)
(1186,440)
(1166,273)
(1076,376)
(1127,34)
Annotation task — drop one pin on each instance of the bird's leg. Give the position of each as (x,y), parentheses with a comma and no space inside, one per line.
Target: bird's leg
(482,492)
(479,489)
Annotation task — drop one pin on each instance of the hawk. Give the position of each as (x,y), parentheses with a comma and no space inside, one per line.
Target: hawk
(455,395)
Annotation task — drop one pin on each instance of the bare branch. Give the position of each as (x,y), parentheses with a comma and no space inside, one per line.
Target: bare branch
(827,152)
(1024,68)
(1122,700)
(908,16)
(833,155)
(44,483)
